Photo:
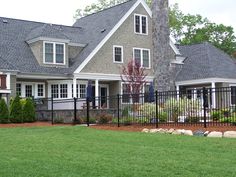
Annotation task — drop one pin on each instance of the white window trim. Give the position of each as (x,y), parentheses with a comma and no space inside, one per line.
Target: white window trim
(122,54)
(140,27)
(231,85)
(149,55)
(54,53)
(34,89)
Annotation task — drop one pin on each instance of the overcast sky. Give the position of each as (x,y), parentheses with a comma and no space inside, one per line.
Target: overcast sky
(62,11)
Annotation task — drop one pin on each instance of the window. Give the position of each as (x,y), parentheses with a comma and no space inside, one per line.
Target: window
(63,90)
(40,90)
(18,89)
(118,54)
(140,26)
(54,53)
(82,90)
(28,90)
(54,91)
(142,56)
(125,93)
(146,93)
(233,95)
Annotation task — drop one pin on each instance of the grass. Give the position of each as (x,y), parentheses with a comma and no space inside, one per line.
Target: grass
(81,151)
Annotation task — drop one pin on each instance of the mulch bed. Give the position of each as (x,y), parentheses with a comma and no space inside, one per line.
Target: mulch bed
(130,128)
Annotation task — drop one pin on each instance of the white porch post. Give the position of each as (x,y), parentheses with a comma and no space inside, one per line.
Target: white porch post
(74,87)
(8,80)
(177,89)
(195,94)
(96,92)
(213,94)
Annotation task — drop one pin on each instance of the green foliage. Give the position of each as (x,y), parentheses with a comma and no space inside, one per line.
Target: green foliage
(4,112)
(104,118)
(126,111)
(128,121)
(16,111)
(28,110)
(182,106)
(163,116)
(216,115)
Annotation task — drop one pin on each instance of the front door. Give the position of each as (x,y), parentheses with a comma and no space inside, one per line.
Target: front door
(103,94)
(102,99)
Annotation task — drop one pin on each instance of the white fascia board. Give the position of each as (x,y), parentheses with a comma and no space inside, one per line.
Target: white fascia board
(47,39)
(205,81)
(175,49)
(101,76)
(41,76)
(99,46)
(5,91)
(76,44)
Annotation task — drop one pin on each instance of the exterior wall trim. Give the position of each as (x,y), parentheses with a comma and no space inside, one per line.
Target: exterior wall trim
(203,81)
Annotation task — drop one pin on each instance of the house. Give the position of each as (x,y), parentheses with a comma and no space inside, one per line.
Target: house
(43,60)
(48,60)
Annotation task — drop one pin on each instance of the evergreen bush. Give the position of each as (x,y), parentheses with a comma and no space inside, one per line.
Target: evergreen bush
(16,111)
(4,112)
(28,111)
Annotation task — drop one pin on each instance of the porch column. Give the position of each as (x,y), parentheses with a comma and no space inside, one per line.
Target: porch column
(74,87)
(8,81)
(213,94)
(177,90)
(96,93)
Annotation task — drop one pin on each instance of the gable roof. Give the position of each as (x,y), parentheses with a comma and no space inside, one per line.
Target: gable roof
(205,61)
(90,30)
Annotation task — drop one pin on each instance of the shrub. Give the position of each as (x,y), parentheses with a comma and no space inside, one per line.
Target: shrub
(192,120)
(148,110)
(127,121)
(225,112)
(163,116)
(28,111)
(4,112)
(216,115)
(126,111)
(16,110)
(226,119)
(104,118)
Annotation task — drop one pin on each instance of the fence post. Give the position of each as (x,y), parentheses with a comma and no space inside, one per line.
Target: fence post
(75,109)
(52,111)
(87,103)
(118,105)
(204,105)
(156,109)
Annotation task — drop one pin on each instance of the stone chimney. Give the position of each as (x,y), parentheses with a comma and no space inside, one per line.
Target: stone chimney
(164,80)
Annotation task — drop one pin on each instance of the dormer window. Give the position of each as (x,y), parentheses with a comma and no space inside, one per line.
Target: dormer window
(140,24)
(54,53)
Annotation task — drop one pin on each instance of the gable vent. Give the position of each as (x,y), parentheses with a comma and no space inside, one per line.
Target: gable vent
(4,21)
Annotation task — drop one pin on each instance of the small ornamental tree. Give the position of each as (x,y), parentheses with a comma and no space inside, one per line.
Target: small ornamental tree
(4,113)
(29,111)
(133,76)
(16,110)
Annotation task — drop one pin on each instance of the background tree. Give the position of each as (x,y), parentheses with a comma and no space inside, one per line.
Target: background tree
(185,28)
(134,78)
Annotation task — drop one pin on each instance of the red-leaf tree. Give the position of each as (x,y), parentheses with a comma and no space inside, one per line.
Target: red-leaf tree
(134,77)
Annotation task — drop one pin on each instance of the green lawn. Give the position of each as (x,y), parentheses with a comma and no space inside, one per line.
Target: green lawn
(80,151)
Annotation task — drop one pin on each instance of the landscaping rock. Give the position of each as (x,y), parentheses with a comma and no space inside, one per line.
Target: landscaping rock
(206,133)
(161,130)
(178,132)
(154,130)
(230,134)
(170,131)
(145,130)
(198,133)
(215,134)
(188,132)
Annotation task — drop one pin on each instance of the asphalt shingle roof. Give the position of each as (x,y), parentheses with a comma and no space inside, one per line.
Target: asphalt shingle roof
(205,61)
(89,30)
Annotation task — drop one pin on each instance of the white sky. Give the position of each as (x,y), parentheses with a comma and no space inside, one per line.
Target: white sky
(62,11)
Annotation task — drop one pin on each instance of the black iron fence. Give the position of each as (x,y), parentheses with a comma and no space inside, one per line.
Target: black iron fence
(200,107)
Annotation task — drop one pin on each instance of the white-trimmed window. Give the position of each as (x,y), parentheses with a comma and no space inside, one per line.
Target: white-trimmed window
(40,90)
(63,91)
(18,89)
(82,91)
(28,90)
(140,24)
(54,91)
(233,95)
(142,56)
(117,54)
(126,98)
(54,53)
